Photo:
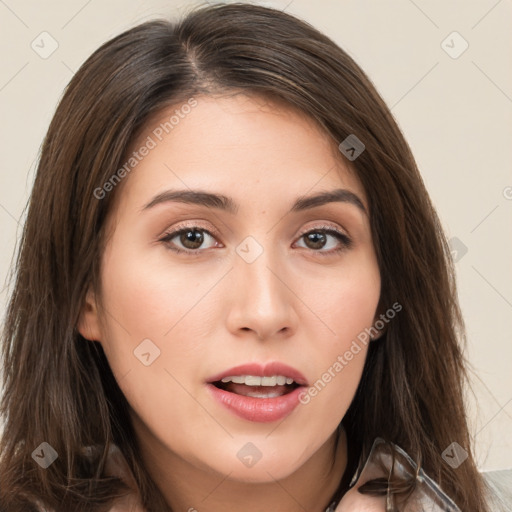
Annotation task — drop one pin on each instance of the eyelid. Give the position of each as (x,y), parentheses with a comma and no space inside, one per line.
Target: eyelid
(324,226)
(190,225)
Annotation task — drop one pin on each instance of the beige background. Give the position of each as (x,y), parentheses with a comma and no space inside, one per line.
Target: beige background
(456,114)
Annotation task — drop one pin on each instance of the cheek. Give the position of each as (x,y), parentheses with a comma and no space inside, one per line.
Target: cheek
(346,311)
(156,317)
(146,298)
(153,341)
(343,301)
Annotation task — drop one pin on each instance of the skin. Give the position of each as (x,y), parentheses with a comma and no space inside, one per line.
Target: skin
(296,303)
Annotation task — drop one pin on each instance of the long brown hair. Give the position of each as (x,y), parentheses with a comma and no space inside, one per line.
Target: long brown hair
(58,387)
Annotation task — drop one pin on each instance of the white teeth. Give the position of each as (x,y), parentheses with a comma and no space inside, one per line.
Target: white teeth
(236,380)
(254,380)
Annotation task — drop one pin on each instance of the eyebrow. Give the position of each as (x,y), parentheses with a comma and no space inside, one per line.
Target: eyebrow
(222,202)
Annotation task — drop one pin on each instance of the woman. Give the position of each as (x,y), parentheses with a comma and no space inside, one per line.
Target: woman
(232,290)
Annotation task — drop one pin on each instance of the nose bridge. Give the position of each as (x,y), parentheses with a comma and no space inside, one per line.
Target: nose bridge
(262,300)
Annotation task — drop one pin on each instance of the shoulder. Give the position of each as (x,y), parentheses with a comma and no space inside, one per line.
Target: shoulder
(116,465)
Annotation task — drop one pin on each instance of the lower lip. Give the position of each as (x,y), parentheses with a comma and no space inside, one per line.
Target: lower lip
(262,410)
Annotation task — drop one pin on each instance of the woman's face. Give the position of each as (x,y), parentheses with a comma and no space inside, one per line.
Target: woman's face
(257,281)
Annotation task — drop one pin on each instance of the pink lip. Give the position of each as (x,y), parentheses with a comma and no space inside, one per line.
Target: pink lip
(260,370)
(262,410)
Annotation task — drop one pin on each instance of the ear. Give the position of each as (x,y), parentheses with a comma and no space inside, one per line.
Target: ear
(88,324)
(379,325)
(378,336)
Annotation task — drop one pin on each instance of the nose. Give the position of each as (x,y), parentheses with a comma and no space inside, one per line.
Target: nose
(262,299)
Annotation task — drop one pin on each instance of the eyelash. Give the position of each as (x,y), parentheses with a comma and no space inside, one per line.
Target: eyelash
(346,242)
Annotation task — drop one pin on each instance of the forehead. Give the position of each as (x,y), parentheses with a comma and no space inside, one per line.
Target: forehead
(250,147)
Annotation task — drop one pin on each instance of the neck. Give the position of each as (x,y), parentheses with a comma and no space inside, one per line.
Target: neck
(186,487)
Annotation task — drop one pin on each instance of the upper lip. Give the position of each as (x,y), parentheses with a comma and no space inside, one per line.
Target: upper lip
(262,370)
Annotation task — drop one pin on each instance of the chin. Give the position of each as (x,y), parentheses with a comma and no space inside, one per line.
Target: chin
(261,471)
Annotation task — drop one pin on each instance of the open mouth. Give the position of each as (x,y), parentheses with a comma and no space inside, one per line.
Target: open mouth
(256,391)
(258,398)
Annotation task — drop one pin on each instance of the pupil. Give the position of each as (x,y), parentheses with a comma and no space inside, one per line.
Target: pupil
(317,240)
(192,239)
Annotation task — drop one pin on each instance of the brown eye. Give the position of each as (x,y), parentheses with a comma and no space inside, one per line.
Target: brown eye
(190,239)
(318,239)
(315,240)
